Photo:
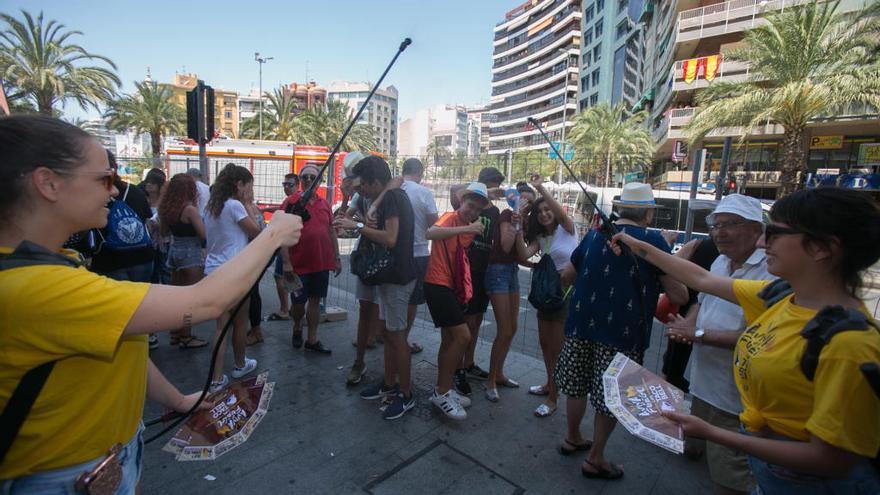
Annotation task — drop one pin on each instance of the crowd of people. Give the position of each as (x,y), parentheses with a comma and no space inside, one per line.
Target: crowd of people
(776,409)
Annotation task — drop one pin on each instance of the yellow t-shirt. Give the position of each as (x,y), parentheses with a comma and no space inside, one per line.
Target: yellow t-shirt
(838,406)
(94,396)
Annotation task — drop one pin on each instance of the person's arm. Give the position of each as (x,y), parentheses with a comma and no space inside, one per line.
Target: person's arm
(160,390)
(191,214)
(689,273)
(337,263)
(562,218)
(675,290)
(524,251)
(687,250)
(815,456)
(437,233)
(394,183)
(387,236)
(269,209)
(165,307)
(507,235)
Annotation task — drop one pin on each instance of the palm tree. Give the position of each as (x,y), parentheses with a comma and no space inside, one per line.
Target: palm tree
(437,153)
(39,60)
(608,138)
(324,127)
(278,118)
(151,109)
(808,61)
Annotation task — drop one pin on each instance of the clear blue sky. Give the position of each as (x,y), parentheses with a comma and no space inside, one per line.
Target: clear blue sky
(448,62)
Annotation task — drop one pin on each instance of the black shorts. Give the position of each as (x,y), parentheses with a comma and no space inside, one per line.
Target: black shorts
(479,303)
(314,286)
(443,306)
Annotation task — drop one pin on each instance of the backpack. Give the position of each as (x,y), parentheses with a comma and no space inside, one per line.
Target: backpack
(125,230)
(546,291)
(462,285)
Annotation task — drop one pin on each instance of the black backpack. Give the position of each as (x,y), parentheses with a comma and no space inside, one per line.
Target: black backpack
(25,394)
(546,292)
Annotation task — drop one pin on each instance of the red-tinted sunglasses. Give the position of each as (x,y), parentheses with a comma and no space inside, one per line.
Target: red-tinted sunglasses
(108,177)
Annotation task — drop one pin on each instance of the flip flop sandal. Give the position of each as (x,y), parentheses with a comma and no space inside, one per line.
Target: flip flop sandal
(568,448)
(544,411)
(508,383)
(415,348)
(369,345)
(538,390)
(615,473)
(277,317)
(191,342)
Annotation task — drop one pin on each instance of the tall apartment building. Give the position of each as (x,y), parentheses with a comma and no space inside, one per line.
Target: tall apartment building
(444,125)
(612,52)
(478,130)
(696,35)
(225,103)
(537,48)
(381,113)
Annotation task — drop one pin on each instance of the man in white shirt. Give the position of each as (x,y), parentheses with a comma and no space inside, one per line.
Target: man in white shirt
(713,326)
(424,215)
(204,190)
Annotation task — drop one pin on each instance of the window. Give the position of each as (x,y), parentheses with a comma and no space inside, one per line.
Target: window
(585,83)
(598,28)
(621,5)
(586,58)
(594,100)
(227,115)
(622,29)
(597,53)
(588,14)
(600,4)
(595,77)
(588,37)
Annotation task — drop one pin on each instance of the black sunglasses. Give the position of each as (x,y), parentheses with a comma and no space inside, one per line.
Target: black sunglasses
(772,230)
(308,177)
(288,184)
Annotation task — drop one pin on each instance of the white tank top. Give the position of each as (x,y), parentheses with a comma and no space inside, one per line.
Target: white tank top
(561,245)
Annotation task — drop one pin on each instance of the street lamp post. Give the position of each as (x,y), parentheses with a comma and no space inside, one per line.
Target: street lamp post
(261,61)
(564,110)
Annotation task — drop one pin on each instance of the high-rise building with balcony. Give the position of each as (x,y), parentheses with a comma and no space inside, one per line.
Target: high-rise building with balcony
(534,74)
(686,42)
(381,112)
(612,52)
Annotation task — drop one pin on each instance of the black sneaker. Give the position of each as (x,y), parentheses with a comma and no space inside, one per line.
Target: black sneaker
(460,381)
(297,340)
(377,390)
(317,347)
(477,373)
(399,406)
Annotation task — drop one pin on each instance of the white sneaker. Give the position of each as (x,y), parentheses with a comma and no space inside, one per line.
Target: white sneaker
(464,401)
(450,407)
(249,365)
(218,386)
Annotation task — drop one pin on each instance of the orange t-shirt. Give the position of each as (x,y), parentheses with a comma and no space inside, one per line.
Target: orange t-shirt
(442,261)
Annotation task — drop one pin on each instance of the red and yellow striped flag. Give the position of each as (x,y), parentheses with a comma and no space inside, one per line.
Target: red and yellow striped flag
(710,68)
(690,68)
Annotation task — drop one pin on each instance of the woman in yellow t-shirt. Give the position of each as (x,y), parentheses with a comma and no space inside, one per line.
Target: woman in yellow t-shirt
(802,436)
(55,180)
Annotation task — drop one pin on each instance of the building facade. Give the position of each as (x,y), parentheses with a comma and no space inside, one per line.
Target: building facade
(686,42)
(441,127)
(537,48)
(381,112)
(478,119)
(612,52)
(226,120)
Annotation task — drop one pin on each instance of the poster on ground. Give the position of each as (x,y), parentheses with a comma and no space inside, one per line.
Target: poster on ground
(237,411)
(636,397)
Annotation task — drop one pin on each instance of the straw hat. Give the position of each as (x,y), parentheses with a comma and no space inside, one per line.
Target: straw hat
(636,195)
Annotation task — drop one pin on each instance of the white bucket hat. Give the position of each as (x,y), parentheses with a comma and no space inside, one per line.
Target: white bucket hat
(747,207)
(476,189)
(636,195)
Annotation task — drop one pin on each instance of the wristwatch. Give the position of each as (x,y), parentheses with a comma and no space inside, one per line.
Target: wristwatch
(358,226)
(699,334)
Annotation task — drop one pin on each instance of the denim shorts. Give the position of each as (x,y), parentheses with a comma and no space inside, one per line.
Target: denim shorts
(184,252)
(502,278)
(771,478)
(61,481)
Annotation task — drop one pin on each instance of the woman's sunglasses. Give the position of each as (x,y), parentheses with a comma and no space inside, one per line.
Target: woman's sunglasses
(773,230)
(307,177)
(107,177)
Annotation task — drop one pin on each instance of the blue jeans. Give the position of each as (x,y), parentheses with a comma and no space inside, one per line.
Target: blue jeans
(771,479)
(61,481)
(136,273)
(502,278)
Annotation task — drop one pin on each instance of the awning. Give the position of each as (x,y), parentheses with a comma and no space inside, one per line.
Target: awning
(646,97)
(647,12)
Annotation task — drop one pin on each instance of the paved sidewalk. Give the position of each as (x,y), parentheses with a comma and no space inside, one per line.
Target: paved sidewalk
(320,437)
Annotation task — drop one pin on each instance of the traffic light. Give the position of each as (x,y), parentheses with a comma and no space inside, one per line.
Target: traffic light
(192,116)
(730,187)
(209,113)
(200,113)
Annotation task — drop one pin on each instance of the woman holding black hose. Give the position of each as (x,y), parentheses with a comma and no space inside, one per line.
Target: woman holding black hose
(802,435)
(55,180)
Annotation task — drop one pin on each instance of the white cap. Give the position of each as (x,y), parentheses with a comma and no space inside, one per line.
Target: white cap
(475,188)
(351,159)
(747,207)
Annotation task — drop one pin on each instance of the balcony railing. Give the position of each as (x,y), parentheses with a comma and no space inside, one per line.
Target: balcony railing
(727,17)
(531,111)
(559,17)
(556,87)
(731,71)
(525,68)
(537,46)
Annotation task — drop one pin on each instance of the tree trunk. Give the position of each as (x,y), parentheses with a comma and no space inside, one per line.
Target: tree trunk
(44,104)
(156,145)
(793,161)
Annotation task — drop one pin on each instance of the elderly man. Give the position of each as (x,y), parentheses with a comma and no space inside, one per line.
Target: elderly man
(611,311)
(713,325)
